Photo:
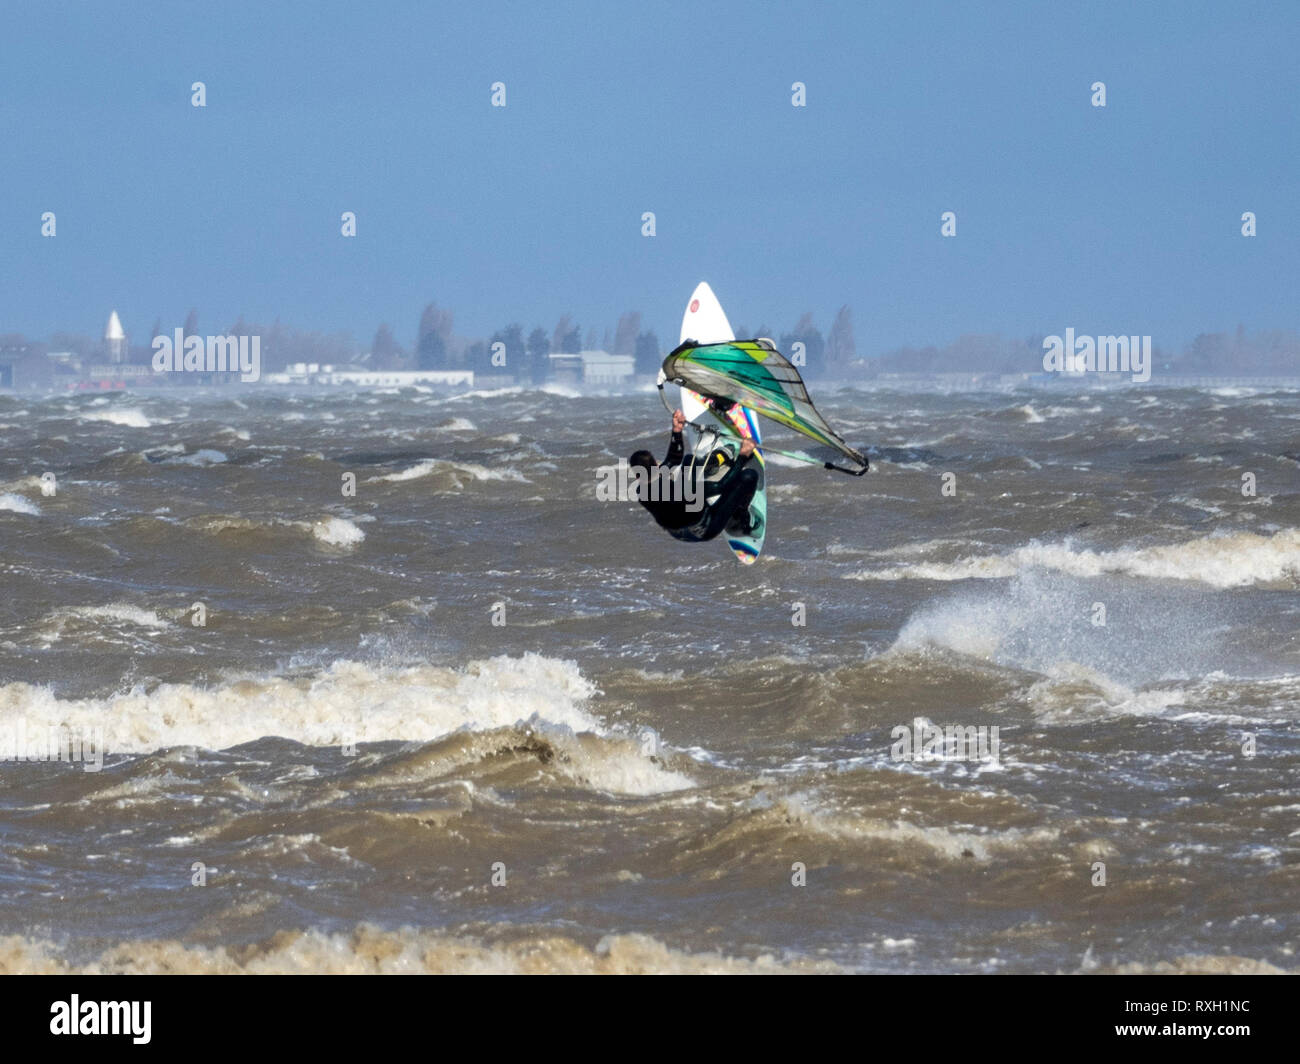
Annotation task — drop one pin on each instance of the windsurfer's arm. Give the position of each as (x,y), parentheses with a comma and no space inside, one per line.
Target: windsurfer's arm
(675,446)
(743,459)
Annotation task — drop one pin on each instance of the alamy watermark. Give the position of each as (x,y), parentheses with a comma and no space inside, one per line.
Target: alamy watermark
(923,741)
(1098,354)
(212,354)
(77,1017)
(52,742)
(661,483)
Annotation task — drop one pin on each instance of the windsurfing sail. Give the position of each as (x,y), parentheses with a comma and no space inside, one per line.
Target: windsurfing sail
(756,375)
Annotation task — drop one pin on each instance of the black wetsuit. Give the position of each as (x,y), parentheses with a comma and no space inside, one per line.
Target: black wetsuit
(735,492)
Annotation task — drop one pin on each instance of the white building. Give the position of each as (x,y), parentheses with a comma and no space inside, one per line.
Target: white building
(600,367)
(595,368)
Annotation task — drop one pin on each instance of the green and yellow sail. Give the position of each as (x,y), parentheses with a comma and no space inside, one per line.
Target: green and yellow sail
(756,375)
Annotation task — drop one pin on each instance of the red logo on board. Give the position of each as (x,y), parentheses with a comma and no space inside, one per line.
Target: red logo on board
(695,305)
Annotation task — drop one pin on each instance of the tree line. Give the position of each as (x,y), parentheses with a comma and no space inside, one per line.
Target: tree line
(526,356)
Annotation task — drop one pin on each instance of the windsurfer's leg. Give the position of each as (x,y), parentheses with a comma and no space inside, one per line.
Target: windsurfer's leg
(737,492)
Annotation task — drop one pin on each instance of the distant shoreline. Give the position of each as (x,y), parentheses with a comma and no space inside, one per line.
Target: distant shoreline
(972,381)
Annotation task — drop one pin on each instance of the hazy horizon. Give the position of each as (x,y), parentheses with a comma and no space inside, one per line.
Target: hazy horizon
(1119,219)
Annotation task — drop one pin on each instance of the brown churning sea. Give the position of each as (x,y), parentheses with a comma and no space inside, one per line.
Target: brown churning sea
(472,669)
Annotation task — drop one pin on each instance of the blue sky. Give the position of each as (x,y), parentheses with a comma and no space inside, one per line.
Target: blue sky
(1115,220)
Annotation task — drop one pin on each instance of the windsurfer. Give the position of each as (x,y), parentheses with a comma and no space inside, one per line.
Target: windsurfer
(734,491)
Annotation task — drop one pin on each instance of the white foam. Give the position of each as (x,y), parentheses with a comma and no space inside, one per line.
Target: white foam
(975,629)
(117,611)
(1072,690)
(943,841)
(19,505)
(619,768)
(369,950)
(420,469)
(1234,559)
(486,393)
(105,622)
(468,469)
(349,701)
(337,532)
(130,417)
(355,702)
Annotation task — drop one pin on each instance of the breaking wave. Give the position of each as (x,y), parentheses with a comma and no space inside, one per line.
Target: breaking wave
(459,473)
(371,950)
(1235,559)
(128,417)
(15,503)
(337,532)
(348,701)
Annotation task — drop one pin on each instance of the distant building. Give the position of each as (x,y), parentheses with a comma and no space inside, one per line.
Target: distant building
(316,373)
(592,369)
(115,349)
(566,369)
(602,368)
(23,366)
(116,372)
